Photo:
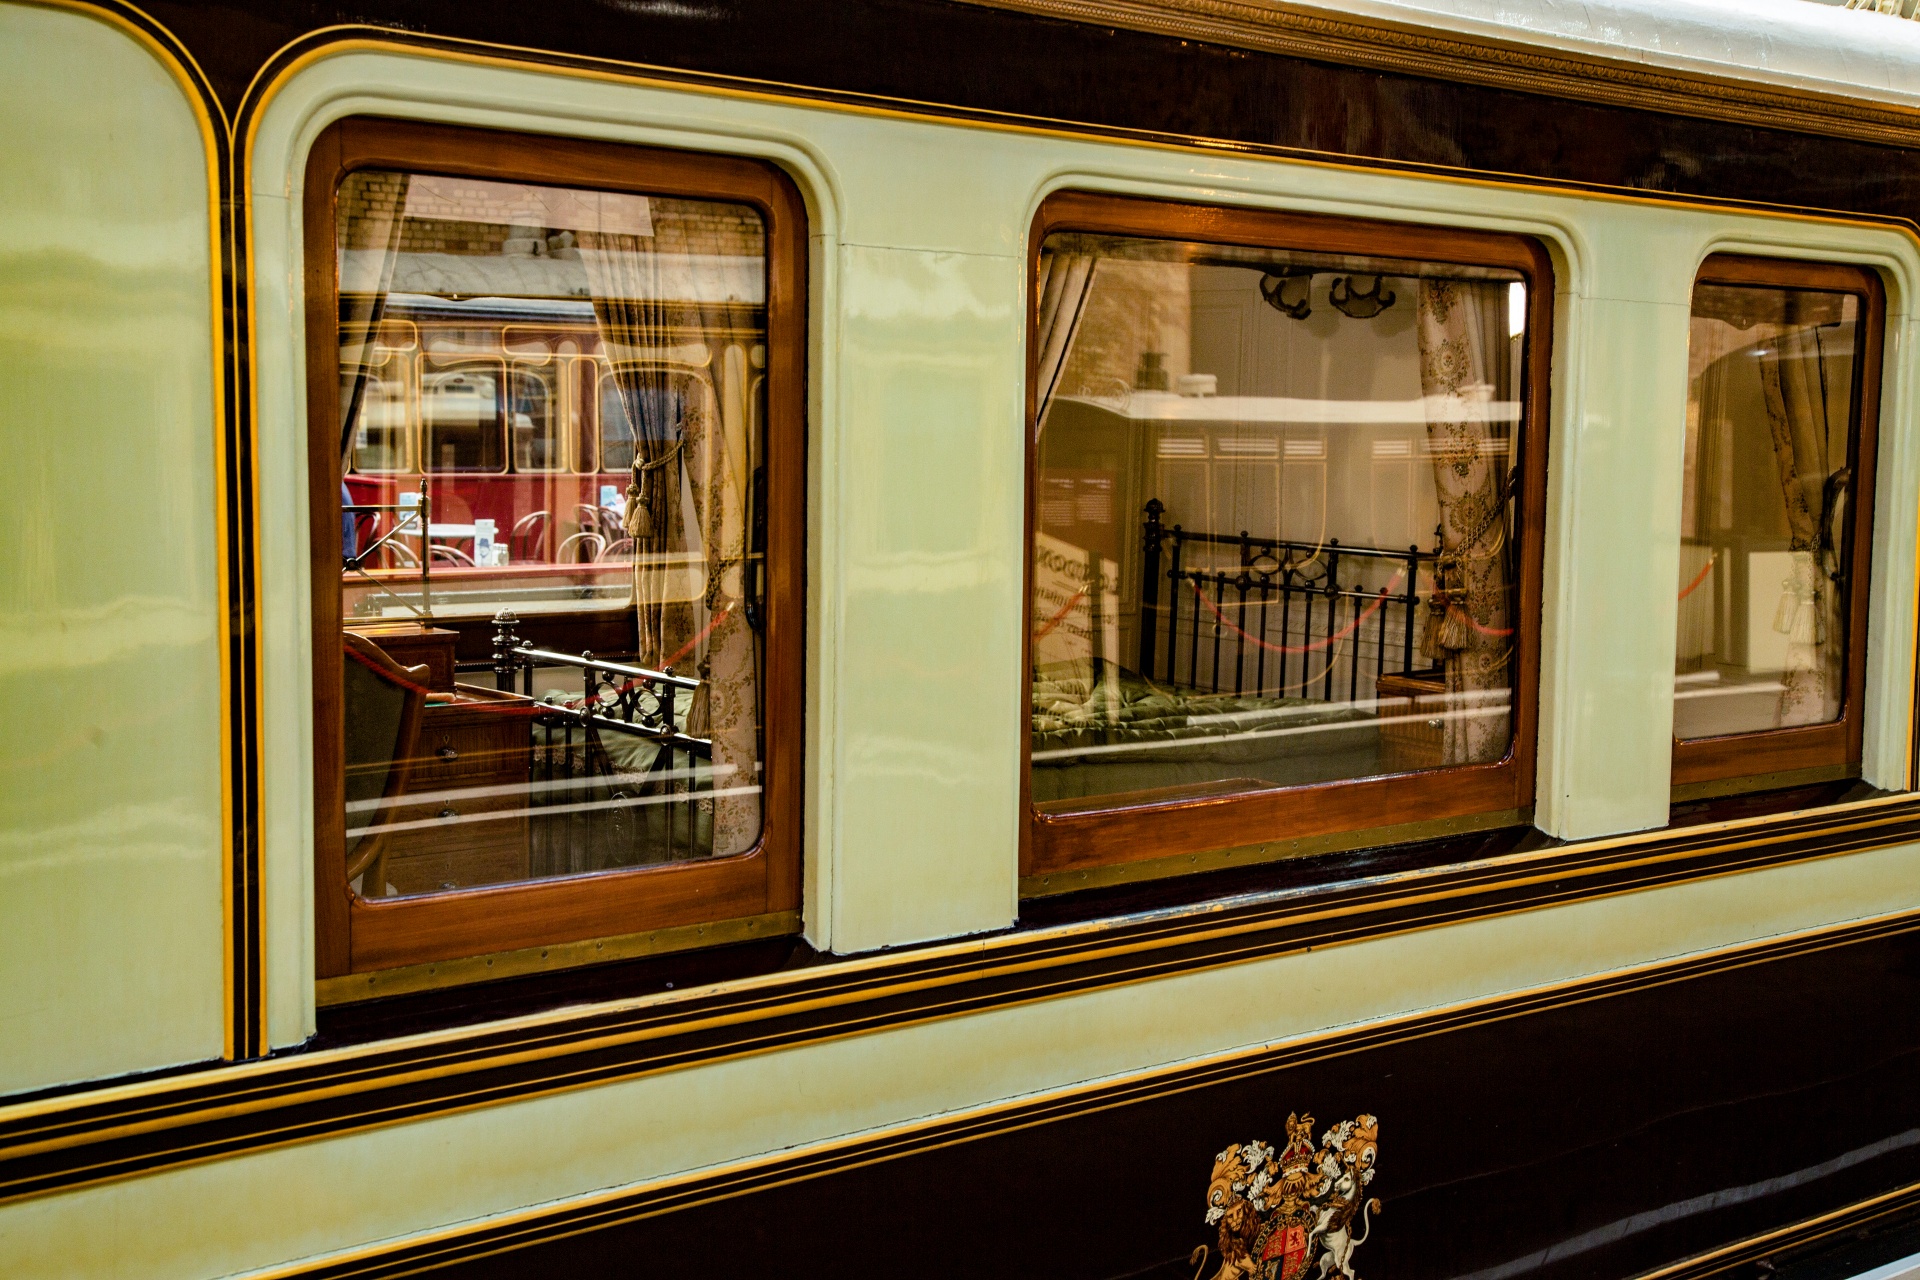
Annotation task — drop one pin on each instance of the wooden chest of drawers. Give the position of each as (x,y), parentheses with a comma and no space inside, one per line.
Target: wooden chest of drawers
(468,792)
(1415,734)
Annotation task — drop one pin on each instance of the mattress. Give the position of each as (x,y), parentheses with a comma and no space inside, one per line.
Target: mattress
(1122,732)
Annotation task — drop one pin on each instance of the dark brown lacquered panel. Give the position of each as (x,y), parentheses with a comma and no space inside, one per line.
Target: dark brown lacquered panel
(1113,79)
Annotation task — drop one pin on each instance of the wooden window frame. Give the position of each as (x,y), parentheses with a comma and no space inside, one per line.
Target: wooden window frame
(1056,843)
(1832,749)
(354,935)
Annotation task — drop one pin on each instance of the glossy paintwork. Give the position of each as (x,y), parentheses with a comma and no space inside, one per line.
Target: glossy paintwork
(915,590)
(497,1159)
(1695,1122)
(930,535)
(110,752)
(915,604)
(1606,716)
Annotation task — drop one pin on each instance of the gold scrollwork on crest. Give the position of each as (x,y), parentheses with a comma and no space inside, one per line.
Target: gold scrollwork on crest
(1280,1212)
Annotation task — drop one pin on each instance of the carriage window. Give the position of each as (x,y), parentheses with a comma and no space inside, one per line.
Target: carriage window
(550,627)
(1279,536)
(1777,482)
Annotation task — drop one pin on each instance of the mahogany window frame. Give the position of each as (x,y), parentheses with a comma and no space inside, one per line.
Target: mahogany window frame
(354,935)
(1130,834)
(1833,749)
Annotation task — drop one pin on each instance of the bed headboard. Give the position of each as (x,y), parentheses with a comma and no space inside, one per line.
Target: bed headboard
(1265,616)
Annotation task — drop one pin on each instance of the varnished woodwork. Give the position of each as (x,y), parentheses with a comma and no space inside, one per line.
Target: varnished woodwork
(1838,744)
(357,935)
(413,645)
(475,757)
(1130,831)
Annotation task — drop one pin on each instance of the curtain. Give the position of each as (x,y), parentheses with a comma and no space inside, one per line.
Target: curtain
(1061,291)
(371,211)
(1806,400)
(1464,364)
(690,501)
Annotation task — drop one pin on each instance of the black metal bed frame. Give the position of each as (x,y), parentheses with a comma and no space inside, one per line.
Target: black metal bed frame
(601,817)
(1273,575)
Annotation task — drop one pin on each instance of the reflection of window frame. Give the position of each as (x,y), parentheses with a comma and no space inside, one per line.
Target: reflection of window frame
(1821,752)
(521,367)
(760,886)
(408,432)
(583,412)
(432,368)
(1261,824)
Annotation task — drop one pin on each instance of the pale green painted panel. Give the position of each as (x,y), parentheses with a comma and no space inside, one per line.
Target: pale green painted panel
(110,850)
(929,481)
(1607,683)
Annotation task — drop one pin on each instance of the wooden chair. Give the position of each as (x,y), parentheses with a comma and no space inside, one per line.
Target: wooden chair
(381,704)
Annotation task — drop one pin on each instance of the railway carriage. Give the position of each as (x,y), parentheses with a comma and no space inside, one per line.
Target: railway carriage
(970,637)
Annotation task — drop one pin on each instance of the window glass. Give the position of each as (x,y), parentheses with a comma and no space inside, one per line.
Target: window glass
(478,504)
(1766,507)
(533,419)
(383,436)
(461,403)
(616,432)
(1274,513)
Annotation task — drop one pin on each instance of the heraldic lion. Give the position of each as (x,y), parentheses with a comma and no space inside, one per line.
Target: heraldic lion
(1279,1212)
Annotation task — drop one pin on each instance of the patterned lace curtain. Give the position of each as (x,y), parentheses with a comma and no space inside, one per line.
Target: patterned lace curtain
(1061,289)
(371,211)
(1806,395)
(1464,359)
(659,301)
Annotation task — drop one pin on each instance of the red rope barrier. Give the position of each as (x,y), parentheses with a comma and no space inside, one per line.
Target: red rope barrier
(1698,578)
(687,648)
(1317,645)
(1057,618)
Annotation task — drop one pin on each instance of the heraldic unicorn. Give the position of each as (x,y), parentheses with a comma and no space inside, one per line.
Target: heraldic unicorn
(1280,1211)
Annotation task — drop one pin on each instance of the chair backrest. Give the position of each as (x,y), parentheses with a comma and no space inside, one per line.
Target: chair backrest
(381,704)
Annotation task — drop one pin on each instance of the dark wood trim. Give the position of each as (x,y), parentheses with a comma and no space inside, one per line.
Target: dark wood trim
(1412,48)
(1839,744)
(355,935)
(84,1137)
(1140,832)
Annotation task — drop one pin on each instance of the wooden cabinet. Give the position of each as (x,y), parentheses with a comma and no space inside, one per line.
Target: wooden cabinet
(417,646)
(468,793)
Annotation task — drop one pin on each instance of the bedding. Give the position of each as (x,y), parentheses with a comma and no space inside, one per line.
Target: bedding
(1122,732)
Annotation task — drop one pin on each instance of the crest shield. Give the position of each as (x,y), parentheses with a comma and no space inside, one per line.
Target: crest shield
(1279,1210)
(1286,1254)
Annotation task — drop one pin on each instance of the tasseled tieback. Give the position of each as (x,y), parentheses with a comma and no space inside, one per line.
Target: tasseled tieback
(640,492)
(1448,627)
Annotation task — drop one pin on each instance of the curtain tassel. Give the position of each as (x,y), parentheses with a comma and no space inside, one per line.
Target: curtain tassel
(1448,626)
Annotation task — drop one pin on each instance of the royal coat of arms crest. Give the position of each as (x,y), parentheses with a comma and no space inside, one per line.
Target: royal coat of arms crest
(1281,1212)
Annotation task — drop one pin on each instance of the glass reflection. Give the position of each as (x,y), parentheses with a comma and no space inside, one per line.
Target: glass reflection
(1274,510)
(548,434)
(1770,435)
